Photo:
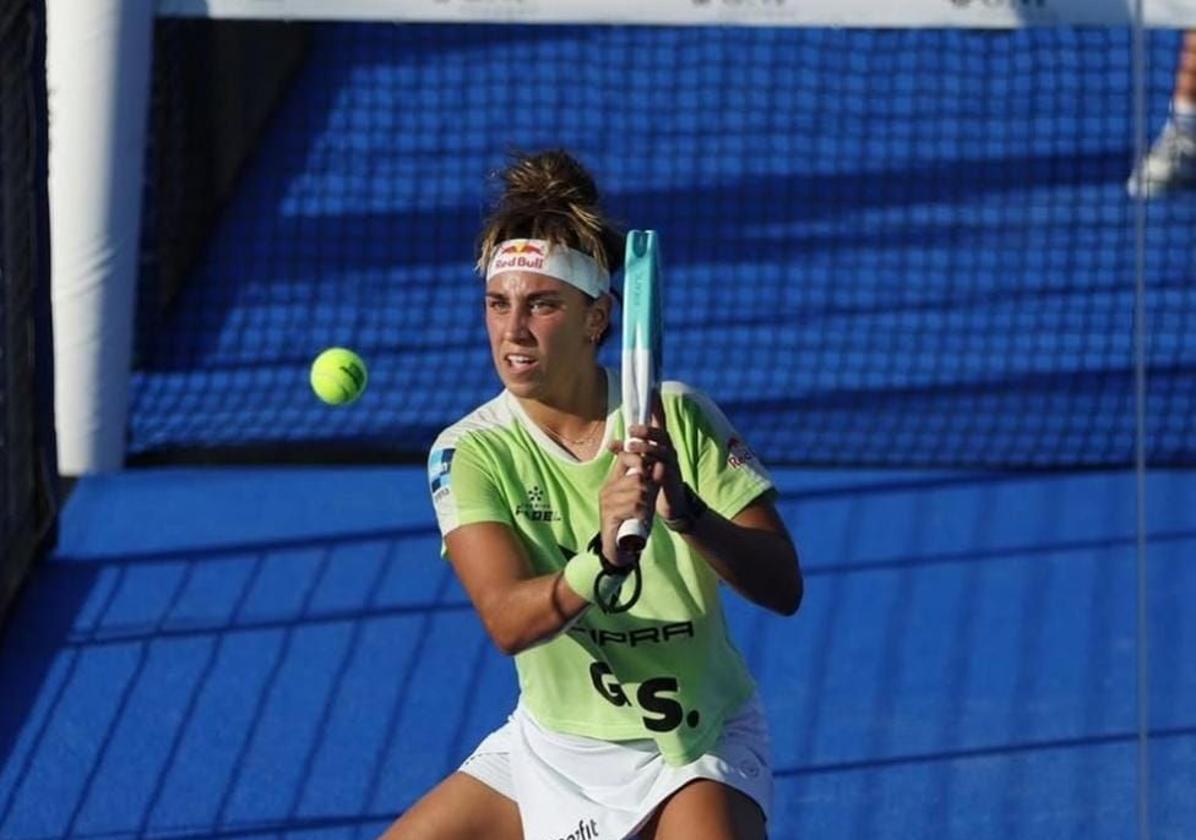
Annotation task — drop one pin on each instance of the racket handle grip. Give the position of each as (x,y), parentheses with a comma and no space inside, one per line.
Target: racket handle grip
(633,536)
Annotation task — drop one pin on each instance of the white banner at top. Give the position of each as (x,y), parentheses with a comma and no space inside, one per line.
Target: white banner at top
(967,14)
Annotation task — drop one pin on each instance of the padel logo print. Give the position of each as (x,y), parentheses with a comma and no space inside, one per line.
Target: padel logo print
(537,508)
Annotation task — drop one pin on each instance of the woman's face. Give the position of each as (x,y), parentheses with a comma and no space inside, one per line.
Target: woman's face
(542,331)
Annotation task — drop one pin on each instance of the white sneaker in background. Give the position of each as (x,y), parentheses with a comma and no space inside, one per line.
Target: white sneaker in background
(1169,165)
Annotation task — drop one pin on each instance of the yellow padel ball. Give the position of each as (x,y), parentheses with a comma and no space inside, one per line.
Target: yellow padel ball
(338,376)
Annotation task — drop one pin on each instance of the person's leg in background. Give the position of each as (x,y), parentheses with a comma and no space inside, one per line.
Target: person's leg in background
(1171,162)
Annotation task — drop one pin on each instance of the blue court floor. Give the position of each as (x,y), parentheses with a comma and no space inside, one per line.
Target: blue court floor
(255,653)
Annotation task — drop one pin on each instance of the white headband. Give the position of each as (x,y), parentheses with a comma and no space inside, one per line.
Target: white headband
(558,261)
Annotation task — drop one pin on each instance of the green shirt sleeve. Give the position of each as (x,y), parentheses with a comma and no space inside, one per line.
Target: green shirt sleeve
(464,487)
(716,460)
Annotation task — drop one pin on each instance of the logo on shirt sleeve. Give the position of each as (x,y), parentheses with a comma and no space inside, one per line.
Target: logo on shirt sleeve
(439,465)
(738,453)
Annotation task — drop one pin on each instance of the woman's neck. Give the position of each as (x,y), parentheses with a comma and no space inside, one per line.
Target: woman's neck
(575,415)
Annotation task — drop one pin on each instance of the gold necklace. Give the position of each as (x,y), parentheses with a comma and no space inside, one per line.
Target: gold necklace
(568,442)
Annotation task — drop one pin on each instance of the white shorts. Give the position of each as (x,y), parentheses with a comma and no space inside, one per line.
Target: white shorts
(570,787)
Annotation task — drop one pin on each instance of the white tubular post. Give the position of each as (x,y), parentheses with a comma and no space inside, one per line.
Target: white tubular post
(97,72)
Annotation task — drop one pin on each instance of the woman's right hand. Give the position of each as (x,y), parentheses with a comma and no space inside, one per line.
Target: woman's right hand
(629,493)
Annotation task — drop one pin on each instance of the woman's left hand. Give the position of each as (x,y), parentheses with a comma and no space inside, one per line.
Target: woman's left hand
(660,459)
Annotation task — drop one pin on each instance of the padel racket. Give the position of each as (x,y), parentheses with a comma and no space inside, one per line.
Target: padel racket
(641,352)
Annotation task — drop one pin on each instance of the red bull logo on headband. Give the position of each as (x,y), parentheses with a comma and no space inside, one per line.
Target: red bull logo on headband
(520,246)
(518,253)
(560,262)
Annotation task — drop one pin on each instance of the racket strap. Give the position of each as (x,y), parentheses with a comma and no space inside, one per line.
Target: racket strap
(608,583)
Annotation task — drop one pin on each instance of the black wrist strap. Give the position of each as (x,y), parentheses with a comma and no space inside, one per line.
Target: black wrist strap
(609,568)
(612,604)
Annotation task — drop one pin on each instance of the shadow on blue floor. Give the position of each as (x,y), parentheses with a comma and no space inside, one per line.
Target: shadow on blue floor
(259,653)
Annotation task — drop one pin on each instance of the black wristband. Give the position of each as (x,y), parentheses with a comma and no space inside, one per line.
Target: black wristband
(695,509)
